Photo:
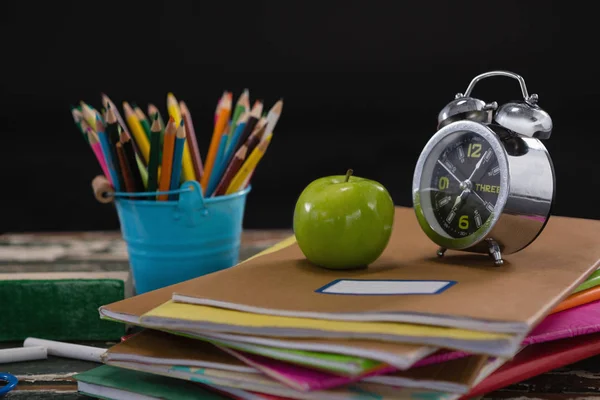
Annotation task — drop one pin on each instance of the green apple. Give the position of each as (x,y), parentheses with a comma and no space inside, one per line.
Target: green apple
(343,222)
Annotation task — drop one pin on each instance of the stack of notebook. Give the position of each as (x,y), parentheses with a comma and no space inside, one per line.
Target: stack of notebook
(410,325)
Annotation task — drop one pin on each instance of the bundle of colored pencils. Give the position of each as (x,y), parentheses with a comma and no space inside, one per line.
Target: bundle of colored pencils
(143,154)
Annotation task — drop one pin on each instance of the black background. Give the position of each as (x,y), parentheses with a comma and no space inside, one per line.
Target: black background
(362,81)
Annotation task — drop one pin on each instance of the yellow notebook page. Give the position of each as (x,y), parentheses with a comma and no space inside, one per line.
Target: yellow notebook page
(198,313)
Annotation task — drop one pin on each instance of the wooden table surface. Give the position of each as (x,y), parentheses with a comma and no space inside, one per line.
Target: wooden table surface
(53,378)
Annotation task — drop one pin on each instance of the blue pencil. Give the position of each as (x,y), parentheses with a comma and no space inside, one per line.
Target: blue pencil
(177,160)
(235,138)
(232,144)
(108,155)
(217,172)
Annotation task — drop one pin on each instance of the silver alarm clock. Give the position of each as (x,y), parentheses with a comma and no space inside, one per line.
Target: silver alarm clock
(485,183)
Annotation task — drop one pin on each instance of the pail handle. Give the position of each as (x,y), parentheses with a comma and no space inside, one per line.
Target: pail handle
(191,204)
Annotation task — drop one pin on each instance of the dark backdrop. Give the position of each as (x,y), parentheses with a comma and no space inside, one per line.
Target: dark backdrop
(362,81)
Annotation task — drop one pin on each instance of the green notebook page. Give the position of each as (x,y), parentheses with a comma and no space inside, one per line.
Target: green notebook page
(146,384)
(339,364)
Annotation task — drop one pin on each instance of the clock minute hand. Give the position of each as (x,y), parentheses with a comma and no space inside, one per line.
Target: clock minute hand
(484,159)
(450,172)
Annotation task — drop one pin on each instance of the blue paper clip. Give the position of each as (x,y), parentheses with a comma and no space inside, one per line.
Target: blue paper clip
(11,383)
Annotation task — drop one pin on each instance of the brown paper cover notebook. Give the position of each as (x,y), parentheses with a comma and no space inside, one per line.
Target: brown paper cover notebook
(155,347)
(460,290)
(455,376)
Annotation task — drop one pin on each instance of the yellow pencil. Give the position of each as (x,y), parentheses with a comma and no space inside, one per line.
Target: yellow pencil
(89,114)
(173,108)
(141,140)
(243,175)
(187,172)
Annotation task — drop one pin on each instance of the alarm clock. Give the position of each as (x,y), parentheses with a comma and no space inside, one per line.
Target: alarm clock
(484,182)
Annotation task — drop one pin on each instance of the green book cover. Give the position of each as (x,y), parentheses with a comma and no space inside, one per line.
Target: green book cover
(98,382)
(592,281)
(51,285)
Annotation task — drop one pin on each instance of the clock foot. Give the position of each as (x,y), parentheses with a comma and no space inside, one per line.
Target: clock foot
(495,252)
(441,251)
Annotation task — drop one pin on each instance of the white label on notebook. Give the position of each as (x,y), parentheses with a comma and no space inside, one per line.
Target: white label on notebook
(384,287)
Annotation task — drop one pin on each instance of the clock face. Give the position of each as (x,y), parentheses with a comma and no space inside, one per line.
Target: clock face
(461,183)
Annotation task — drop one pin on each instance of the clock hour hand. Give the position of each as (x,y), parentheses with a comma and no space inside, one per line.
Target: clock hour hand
(450,172)
(457,205)
(459,200)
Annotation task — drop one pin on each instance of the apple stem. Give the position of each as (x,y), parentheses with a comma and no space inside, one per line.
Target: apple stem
(348,173)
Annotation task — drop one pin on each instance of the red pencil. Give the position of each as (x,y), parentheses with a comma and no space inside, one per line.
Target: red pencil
(192,141)
(232,169)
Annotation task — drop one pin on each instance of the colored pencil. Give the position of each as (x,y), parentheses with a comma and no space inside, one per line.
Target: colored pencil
(232,169)
(138,170)
(237,133)
(192,140)
(110,162)
(249,128)
(79,121)
(88,115)
(242,105)
(242,177)
(215,141)
(167,159)
(177,158)
(77,117)
(273,116)
(112,134)
(256,135)
(142,168)
(174,111)
(156,132)
(220,165)
(173,108)
(106,101)
(230,149)
(219,104)
(97,149)
(143,120)
(138,132)
(257,108)
(125,169)
(152,112)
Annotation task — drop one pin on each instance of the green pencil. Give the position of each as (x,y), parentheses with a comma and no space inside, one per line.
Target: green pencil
(152,113)
(242,105)
(156,132)
(143,120)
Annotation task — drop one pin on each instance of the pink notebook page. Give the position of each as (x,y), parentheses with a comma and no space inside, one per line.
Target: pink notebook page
(573,322)
(297,377)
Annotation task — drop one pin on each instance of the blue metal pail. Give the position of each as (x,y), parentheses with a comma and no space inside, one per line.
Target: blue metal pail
(173,241)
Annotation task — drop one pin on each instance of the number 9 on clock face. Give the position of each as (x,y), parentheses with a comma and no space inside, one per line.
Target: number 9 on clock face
(461,184)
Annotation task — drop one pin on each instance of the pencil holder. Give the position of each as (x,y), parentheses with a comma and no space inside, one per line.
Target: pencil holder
(173,241)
